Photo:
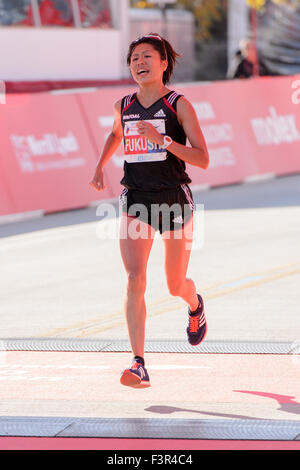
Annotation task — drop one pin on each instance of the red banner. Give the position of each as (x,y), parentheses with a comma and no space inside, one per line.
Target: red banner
(51,142)
(47,156)
(251,127)
(216,106)
(6,205)
(270,123)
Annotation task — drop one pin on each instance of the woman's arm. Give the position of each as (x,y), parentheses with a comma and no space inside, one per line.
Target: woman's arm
(114,138)
(197,154)
(111,144)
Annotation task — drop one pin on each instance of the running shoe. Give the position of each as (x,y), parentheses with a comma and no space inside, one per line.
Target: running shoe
(197,327)
(136,377)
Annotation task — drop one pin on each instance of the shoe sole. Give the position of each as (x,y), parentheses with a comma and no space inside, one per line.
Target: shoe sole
(132,380)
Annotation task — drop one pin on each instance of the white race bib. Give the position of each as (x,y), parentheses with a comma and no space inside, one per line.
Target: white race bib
(139,149)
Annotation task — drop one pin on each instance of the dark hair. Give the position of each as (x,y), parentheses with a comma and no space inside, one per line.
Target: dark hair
(162,46)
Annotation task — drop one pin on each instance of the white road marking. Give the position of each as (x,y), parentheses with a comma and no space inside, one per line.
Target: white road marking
(50,366)
(174,367)
(25,372)
(12,372)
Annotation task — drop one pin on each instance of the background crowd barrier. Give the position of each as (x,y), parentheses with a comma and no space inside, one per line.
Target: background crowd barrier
(50,142)
(251,127)
(6,206)
(47,155)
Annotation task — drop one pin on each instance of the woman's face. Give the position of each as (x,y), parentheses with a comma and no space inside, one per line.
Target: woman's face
(249,52)
(146,65)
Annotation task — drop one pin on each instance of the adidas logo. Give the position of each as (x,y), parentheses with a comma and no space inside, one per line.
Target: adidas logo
(178,219)
(160,113)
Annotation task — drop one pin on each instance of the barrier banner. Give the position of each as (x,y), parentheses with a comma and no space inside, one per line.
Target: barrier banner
(271,120)
(6,206)
(221,133)
(251,127)
(52,142)
(47,159)
(225,135)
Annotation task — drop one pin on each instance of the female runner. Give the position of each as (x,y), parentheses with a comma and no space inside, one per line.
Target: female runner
(154,123)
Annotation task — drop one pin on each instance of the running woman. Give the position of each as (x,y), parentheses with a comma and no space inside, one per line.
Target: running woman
(154,124)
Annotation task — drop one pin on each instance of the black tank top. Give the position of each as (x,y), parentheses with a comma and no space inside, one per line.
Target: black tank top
(147,167)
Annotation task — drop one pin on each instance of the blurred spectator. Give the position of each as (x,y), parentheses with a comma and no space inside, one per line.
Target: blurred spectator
(56,13)
(52,13)
(95,13)
(242,65)
(15,12)
(234,63)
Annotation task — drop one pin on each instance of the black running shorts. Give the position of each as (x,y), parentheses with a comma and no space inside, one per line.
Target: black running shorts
(168,209)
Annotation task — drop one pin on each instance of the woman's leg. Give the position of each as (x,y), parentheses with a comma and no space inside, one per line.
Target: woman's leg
(177,254)
(135,253)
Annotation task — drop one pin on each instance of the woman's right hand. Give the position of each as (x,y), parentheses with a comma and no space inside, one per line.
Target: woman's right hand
(98,180)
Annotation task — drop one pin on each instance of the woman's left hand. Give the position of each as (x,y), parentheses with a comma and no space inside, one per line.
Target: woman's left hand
(148,130)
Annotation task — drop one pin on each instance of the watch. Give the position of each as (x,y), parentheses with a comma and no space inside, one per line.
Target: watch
(167,141)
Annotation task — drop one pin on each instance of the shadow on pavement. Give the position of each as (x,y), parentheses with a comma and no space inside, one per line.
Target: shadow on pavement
(287,404)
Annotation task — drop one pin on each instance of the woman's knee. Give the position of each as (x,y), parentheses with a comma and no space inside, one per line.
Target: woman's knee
(136,282)
(175,287)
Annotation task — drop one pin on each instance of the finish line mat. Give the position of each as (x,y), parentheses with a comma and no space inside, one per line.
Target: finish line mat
(160,346)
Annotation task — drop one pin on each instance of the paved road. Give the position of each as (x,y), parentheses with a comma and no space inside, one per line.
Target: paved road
(211,396)
(62,287)
(59,279)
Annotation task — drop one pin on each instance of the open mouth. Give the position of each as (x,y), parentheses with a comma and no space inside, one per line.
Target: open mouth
(142,72)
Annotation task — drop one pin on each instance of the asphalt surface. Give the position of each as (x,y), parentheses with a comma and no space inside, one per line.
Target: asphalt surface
(62,279)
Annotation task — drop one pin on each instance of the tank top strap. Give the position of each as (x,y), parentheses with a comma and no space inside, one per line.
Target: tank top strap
(126,101)
(172,99)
